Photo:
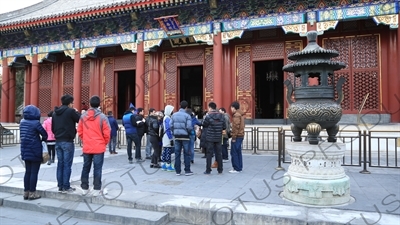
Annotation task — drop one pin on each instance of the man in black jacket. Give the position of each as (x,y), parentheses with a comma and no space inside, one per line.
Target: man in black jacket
(63,125)
(214,122)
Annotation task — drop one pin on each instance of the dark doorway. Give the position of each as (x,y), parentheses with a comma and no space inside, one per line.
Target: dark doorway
(269,89)
(191,87)
(126,91)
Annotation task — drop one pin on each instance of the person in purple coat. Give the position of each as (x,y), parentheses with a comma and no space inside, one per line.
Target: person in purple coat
(32,134)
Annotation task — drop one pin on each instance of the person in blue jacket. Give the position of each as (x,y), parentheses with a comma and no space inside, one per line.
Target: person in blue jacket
(32,134)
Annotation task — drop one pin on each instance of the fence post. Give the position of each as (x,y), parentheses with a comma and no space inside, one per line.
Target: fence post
(364,135)
(254,133)
(280,149)
(119,138)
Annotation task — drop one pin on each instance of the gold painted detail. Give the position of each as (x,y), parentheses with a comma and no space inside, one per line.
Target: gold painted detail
(208,38)
(28,58)
(70,53)
(86,51)
(41,56)
(297,28)
(323,26)
(129,46)
(10,61)
(209,51)
(151,43)
(391,20)
(226,36)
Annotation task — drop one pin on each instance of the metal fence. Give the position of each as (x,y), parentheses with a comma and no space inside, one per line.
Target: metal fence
(363,148)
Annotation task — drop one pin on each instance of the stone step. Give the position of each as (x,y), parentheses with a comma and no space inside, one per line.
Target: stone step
(84,209)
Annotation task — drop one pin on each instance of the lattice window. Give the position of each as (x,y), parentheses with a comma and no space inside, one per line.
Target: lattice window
(267,51)
(362,72)
(125,62)
(209,72)
(244,68)
(190,57)
(343,46)
(109,76)
(85,81)
(170,72)
(292,47)
(365,52)
(68,78)
(369,84)
(45,88)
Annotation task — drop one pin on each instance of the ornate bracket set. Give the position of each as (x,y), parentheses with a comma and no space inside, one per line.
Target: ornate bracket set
(382,13)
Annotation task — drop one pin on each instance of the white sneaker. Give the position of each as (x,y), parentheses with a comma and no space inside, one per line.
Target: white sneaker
(97,193)
(85,192)
(233,171)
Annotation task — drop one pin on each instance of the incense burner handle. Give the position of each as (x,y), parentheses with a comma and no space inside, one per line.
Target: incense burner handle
(289,92)
(339,90)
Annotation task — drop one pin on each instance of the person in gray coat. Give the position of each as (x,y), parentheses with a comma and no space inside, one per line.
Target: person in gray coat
(181,126)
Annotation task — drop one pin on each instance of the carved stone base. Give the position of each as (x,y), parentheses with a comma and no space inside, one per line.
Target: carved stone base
(315,175)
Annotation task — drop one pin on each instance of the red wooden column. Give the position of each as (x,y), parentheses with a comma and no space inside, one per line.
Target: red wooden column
(35,81)
(139,77)
(397,79)
(27,85)
(217,59)
(77,79)
(155,80)
(11,108)
(5,95)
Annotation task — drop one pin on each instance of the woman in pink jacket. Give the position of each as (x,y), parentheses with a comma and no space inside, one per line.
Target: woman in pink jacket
(51,140)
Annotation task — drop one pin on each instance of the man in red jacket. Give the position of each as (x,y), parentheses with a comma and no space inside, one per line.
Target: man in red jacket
(94,131)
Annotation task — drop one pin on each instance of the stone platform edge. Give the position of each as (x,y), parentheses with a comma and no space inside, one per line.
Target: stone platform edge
(197,210)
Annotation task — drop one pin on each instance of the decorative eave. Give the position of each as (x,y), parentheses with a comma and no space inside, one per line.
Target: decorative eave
(100,11)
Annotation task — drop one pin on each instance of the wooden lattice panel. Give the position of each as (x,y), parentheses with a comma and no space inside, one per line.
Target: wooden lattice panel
(170,78)
(108,90)
(208,79)
(45,87)
(243,65)
(68,75)
(369,84)
(45,74)
(108,77)
(243,80)
(68,90)
(85,72)
(190,57)
(343,46)
(268,51)
(85,94)
(170,72)
(125,62)
(365,52)
(45,100)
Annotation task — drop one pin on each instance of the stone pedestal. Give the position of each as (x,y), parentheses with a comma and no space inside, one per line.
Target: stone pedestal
(315,175)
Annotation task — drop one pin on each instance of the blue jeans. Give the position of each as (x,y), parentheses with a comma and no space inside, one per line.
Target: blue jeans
(148,146)
(186,155)
(133,138)
(31,175)
(97,160)
(65,155)
(112,144)
(225,149)
(191,146)
(236,154)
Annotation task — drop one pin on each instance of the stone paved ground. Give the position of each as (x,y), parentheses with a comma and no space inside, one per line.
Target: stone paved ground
(259,183)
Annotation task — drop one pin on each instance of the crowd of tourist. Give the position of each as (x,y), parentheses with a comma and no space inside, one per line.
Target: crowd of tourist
(168,132)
